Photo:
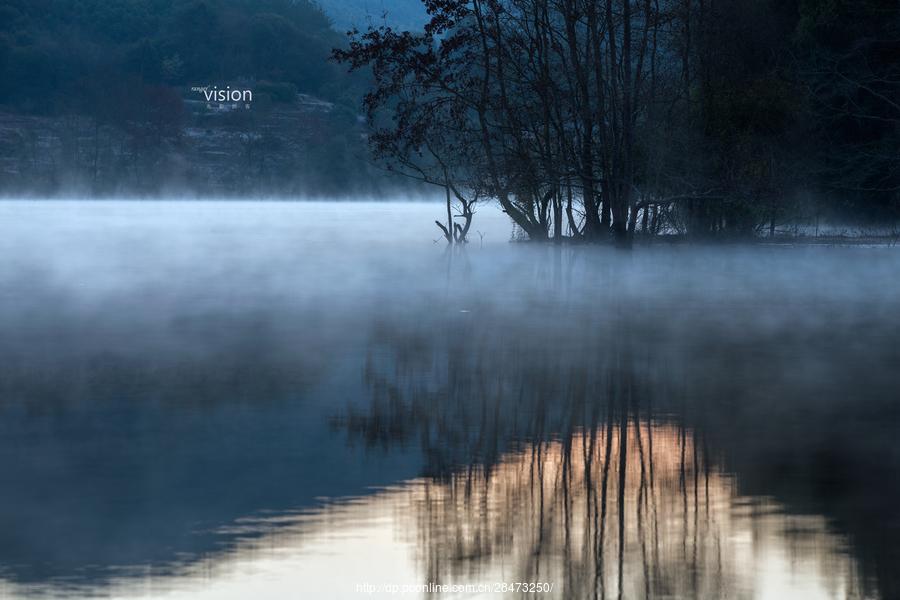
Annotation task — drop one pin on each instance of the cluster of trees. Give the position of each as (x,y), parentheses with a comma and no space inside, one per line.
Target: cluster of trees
(592,119)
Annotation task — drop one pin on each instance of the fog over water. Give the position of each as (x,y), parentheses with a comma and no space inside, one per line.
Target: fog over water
(226,399)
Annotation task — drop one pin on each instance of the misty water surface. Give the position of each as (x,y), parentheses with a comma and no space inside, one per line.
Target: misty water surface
(232,400)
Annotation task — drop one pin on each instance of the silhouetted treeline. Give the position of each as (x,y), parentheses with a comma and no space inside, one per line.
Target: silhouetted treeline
(591,118)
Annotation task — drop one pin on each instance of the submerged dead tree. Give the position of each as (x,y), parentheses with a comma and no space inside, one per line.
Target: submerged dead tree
(427,135)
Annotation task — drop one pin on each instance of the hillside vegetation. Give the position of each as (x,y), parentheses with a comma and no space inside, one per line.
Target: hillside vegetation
(63,54)
(102,97)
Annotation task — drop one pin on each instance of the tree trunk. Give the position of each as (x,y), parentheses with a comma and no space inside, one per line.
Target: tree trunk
(557,217)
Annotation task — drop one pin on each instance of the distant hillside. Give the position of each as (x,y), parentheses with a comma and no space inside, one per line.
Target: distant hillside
(107,97)
(66,53)
(399,14)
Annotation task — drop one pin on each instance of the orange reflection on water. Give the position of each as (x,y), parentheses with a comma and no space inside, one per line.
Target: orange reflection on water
(630,510)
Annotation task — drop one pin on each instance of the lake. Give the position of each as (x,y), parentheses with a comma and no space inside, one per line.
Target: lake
(318,400)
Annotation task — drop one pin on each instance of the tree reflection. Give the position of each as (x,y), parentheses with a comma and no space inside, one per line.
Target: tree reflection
(592,454)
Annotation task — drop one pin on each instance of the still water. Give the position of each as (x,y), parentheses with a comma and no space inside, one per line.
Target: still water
(313,400)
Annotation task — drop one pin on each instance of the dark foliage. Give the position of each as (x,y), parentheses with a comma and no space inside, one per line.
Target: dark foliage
(588,118)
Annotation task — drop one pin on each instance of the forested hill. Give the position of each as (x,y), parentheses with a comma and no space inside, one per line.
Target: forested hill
(99,96)
(60,52)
